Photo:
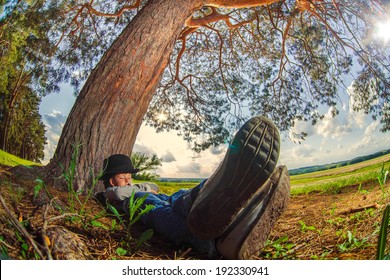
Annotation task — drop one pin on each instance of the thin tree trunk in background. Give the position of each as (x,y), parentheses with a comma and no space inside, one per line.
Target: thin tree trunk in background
(8,114)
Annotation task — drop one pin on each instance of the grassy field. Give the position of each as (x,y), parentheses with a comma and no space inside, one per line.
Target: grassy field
(321,181)
(326,181)
(333,179)
(7,159)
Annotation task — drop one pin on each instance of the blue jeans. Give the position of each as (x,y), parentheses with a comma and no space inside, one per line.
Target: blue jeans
(169,217)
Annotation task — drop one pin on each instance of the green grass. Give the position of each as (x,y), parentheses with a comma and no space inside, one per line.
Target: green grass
(334,185)
(7,159)
(171,187)
(331,181)
(337,173)
(326,181)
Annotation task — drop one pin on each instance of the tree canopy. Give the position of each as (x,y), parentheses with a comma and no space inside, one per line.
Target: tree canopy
(282,59)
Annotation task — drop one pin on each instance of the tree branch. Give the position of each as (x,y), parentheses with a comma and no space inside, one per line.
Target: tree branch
(91,11)
(214,16)
(239,3)
(119,13)
(359,52)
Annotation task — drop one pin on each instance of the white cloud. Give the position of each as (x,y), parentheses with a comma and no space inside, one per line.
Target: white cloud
(336,127)
(303,150)
(189,168)
(371,141)
(329,141)
(362,144)
(371,128)
(143,149)
(348,135)
(54,123)
(345,136)
(331,127)
(298,128)
(168,157)
(217,150)
(178,160)
(356,119)
(328,127)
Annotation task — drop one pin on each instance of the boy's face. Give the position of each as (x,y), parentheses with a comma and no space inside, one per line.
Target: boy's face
(121,180)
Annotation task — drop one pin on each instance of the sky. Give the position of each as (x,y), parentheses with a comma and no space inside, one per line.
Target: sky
(344,137)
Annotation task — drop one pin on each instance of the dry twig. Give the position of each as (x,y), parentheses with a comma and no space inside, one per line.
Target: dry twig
(359,209)
(43,233)
(20,228)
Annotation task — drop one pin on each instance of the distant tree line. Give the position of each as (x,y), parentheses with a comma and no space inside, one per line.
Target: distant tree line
(22,80)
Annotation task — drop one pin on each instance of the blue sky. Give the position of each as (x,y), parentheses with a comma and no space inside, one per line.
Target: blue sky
(346,136)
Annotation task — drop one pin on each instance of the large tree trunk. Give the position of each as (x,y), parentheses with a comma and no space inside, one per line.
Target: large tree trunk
(109,110)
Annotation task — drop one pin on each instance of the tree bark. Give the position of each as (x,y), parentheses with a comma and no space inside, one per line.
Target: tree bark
(109,110)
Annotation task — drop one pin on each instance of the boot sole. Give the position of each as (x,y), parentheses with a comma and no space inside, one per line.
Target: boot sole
(248,163)
(246,237)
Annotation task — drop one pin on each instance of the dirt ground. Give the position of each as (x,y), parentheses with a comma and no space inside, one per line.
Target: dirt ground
(340,225)
(331,226)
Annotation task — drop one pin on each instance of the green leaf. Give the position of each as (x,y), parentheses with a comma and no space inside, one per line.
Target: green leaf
(121,252)
(350,237)
(147,235)
(383,234)
(141,213)
(40,184)
(113,224)
(114,210)
(98,224)
(279,240)
(135,208)
(24,247)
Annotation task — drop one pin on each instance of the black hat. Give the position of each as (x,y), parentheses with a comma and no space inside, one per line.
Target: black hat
(116,164)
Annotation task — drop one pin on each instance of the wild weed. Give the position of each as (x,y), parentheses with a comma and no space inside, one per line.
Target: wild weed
(382,240)
(278,249)
(305,228)
(136,209)
(382,178)
(3,248)
(76,202)
(40,186)
(135,206)
(69,176)
(16,194)
(95,223)
(352,242)
(337,221)
(25,249)
(320,257)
